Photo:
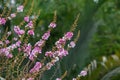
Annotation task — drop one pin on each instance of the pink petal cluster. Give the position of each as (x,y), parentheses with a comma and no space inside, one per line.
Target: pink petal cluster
(49,54)
(30,79)
(68,35)
(27,49)
(30,24)
(40,43)
(18,30)
(31,32)
(58,79)
(7,51)
(83,73)
(72,44)
(20,8)
(62,52)
(2,21)
(52,25)
(7,41)
(34,53)
(13,15)
(26,19)
(36,68)
(46,35)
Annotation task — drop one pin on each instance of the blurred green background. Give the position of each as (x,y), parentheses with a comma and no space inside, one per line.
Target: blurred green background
(99,24)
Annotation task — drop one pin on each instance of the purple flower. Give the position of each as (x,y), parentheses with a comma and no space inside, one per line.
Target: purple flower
(83,73)
(18,43)
(31,32)
(52,25)
(7,41)
(68,35)
(62,52)
(2,21)
(30,24)
(13,15)
(20,8)
(36,68)
(40,43)
(46,35)
(58,79)
(30,78)
(72,44)
(49,54)
(18,31)
(26,19)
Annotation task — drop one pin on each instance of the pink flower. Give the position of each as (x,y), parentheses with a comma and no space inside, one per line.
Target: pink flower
(1,43)
(31,32)
(15,39)
(27,48)
(13,15)
(58,79)
(40,43)
(72,44)
(7,41)
(52,25)
(36,68)
(49,54)
(30,79)
(9,56)
(18,31)
(31,57)
(20,8)
(30,24)
(2,21)
(26,19)
(21,32)
(62,41)
(68,35)
(62,52)
(83,73)
(18,43)
(46,35)
(34,53)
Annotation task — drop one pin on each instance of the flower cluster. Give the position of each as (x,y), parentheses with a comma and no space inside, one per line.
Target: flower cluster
(20,49)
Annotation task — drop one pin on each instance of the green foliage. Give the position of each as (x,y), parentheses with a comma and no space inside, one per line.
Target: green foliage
(106,40)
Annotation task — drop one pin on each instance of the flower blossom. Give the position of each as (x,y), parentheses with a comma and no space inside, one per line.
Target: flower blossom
(31,32)
(52,25)
(27,49)
(83,73)
(30,78)
(58,79)
(13,15)
(49,54)
(30,24)
(40,43)
(34,53)
(68,35)
(62,52)
(18,31)
(72,44)
(26,19)
(20,8)
(2,21)
(36,68)
(46,35)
